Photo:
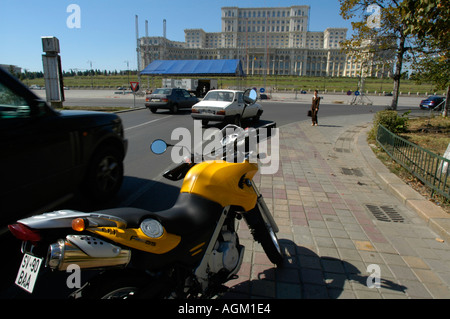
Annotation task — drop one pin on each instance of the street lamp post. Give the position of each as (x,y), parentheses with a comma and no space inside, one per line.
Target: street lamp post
(90,71)
(128,69)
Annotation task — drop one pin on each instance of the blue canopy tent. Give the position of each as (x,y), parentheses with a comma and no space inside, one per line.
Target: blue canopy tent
(195,68)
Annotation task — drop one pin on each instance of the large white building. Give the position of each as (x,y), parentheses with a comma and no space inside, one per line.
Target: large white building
(267,40)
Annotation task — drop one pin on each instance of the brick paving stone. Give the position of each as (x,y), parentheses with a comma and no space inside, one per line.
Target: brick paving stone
(445,277)
(367,294)
(311,291)
(393,259)
(262,272)
(385,248)
(263,288)
(290,275)
(328,252)
(344,243)
(289,291)
(310,262)
(438,291)
(349,254)
(415,289)
(415,262)
(333,266)
(403,273)
(341,294)
(370,257)
(364,245)
(338,233)
(427,276)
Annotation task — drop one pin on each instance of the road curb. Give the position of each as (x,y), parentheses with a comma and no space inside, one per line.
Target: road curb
(131,109)
(435,217)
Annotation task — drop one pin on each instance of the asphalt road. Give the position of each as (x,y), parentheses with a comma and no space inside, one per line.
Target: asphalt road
(143,186)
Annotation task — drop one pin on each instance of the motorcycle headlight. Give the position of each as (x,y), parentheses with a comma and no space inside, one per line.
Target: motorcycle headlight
(152,228)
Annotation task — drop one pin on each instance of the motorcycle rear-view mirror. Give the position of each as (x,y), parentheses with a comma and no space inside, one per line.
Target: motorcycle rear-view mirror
(158,146)
(250,96)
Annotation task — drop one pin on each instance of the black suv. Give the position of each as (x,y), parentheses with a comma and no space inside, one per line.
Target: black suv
(172,99)
(46,154)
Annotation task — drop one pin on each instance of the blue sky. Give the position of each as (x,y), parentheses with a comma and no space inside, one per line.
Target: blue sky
(107,36)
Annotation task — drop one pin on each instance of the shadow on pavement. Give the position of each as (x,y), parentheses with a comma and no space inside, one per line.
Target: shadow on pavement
(305,275)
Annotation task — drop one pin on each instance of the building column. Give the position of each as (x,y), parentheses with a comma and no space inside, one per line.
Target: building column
(328,63)
(304,63)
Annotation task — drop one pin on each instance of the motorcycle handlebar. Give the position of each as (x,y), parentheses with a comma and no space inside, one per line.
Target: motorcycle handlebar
(178,172)
(230,143)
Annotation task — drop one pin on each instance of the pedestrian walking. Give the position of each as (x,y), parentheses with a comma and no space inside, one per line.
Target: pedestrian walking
(315,108)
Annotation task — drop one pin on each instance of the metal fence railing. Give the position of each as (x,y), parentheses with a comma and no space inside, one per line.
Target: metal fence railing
(433,170)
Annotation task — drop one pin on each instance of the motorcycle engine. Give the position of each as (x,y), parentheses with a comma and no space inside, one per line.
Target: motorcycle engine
(225,254)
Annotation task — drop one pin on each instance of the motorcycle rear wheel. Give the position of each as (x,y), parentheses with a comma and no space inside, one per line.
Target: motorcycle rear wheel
(121,285)
(263,233)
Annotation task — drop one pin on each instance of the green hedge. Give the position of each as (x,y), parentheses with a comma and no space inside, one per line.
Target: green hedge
(391,121)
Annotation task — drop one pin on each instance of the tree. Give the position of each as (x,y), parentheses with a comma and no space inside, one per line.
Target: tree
(380,34)
(429,21)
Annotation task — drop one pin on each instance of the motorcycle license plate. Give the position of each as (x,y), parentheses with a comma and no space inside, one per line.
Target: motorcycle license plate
(28,272)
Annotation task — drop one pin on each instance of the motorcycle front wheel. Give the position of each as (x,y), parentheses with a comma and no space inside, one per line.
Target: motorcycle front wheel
(263,233)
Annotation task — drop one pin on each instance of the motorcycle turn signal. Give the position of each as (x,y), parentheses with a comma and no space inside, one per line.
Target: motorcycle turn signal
(79,224)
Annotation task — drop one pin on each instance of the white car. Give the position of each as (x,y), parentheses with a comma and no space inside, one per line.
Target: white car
(225,106)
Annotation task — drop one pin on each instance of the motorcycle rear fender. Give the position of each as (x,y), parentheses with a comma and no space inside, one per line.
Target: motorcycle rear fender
(63,219)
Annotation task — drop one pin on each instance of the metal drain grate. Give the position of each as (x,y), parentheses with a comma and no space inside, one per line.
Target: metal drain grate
(385,213)
(342,150)
(351,171)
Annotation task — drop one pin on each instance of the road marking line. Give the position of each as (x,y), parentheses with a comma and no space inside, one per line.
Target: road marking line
(129,128)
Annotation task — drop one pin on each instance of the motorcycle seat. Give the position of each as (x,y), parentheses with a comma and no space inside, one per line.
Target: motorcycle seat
(190,214)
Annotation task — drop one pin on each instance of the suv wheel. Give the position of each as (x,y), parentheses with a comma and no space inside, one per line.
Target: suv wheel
(174,108)
(105,174)
(257,117)
(153,109)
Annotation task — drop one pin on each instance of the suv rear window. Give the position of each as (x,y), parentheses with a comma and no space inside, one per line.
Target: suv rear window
(162,91)
(12,105)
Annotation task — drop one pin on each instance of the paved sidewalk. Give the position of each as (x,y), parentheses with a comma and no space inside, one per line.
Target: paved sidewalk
(343,218)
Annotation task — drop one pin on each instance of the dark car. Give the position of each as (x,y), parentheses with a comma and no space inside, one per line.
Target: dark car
(172,99)
(263,96)
(47,155)
(433,102)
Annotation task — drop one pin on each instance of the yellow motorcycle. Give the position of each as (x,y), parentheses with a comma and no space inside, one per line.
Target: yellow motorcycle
(187,251)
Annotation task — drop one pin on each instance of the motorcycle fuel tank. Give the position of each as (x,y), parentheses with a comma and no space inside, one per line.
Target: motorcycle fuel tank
(222,182)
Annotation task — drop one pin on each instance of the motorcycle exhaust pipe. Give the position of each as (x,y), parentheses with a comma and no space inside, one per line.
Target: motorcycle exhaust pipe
(87,252)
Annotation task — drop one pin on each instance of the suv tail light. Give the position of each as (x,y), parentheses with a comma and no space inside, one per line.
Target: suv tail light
(22,232)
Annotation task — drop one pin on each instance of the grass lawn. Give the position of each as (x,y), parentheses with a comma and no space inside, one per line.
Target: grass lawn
(431,133)
(281,82)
